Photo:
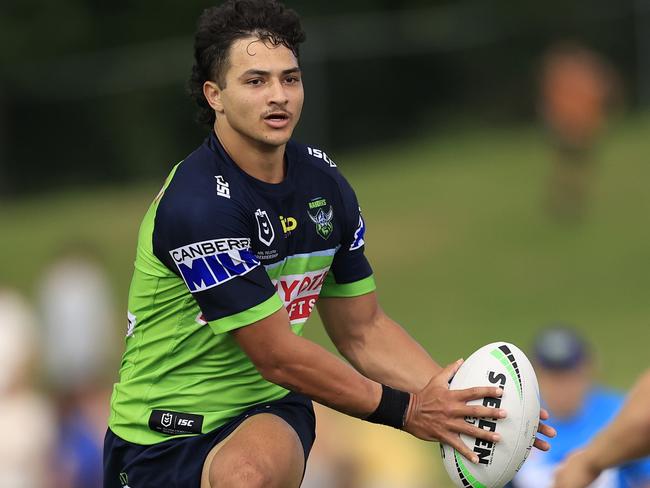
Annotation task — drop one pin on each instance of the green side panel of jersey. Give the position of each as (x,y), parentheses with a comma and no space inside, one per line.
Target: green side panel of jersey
(173,360)
(331,289)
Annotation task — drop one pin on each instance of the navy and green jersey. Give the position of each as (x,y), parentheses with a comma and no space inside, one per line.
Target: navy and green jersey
(218,250)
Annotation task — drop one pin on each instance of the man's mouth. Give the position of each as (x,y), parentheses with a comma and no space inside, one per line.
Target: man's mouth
(277,116)
(277,120)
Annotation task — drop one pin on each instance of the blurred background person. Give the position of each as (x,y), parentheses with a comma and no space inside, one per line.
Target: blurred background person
(579,408)
(629,432)
(578,87)
(27,421)
(76,308)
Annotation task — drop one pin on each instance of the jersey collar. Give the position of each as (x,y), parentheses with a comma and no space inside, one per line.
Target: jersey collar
(284,187)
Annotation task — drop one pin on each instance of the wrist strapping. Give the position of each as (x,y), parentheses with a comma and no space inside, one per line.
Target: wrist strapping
(392,408)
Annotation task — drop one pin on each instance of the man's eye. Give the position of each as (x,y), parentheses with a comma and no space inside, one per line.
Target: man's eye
(292,80)
(254,82)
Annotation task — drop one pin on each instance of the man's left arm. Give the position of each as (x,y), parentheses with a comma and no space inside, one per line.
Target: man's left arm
(380,349)
(375,345)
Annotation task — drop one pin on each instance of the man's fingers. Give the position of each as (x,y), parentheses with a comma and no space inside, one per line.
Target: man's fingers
(543,414)
(546,430)
(463,427)
(541,445)
(450,370)
(479,392)
(477,411)
(455,442)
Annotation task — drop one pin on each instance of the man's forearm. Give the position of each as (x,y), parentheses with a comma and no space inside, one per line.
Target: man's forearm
(386,353)
(303,366)
(315,372)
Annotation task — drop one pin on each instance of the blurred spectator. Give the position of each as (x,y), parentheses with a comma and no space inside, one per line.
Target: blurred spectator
(629,432)
(27,423)
(352,454)
(577,90)
(579,409)
(77,313)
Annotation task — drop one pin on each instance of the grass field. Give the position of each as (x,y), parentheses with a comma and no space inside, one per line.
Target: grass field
(463,250)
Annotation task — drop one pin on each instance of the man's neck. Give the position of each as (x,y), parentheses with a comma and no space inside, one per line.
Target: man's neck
(264,162)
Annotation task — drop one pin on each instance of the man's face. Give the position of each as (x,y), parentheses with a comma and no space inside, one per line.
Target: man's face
(563,391)
(263,94)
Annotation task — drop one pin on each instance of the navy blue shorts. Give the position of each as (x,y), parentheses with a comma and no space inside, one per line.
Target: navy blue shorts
(178,462)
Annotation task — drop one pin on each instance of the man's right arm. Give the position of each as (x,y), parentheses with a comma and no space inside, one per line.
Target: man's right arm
(626,438)
(435,413)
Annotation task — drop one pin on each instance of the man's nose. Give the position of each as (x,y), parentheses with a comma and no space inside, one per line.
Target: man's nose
(278,93)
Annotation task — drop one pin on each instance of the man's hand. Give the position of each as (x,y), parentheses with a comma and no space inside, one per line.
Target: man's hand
(576,472)
(546,430)
(438,413)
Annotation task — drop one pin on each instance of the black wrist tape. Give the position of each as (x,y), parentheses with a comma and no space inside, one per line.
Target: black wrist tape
(391,409)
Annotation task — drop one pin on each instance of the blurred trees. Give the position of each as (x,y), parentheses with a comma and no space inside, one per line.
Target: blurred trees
(94,91)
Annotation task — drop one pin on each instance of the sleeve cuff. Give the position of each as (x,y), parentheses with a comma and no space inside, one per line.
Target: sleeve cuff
(248,316)
(331,289)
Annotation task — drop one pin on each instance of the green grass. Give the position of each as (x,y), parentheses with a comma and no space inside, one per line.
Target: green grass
(463,249)
(465,253)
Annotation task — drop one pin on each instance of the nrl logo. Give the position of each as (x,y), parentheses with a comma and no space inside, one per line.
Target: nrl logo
(166,419)
(321,217)
(264,228)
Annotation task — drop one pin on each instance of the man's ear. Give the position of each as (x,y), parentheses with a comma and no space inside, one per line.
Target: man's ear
(212,94)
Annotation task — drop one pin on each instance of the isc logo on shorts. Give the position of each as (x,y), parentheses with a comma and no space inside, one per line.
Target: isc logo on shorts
(175,423)
(207,264)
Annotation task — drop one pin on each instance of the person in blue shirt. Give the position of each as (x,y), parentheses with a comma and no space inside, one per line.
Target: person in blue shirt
(579,409)
(629,432)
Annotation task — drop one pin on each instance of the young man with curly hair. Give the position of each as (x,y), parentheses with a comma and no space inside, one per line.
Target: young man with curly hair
(248,234)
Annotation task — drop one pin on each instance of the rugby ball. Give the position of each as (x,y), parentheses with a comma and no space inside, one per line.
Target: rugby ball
(504,365)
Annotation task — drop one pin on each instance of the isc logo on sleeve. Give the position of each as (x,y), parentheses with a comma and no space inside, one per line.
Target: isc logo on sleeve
(207,264)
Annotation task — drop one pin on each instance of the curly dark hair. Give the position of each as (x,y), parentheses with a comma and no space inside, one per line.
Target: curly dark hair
(218,27)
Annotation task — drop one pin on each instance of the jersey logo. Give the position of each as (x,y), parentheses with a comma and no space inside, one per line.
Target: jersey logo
(166,419)
(288,224)
(358,234)
(207,264)
(131,323)
(175,423)
(317,153)
(223,187)
(124,480)
(321,217)
(200,319)
(299,293)
(264,228)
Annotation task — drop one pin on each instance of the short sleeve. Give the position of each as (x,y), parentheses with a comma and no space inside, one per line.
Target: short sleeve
(350,274)
(205,240)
